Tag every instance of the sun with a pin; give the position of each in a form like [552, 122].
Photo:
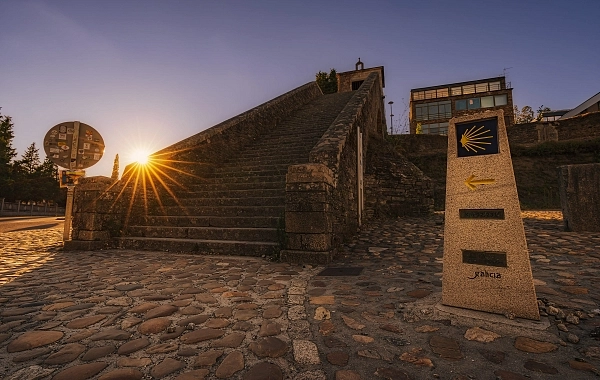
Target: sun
[140, 156]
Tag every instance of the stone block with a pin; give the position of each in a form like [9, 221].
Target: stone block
[308, 187]
[308, 207]
[87, 221]
[580, 196]
[309, 242]
[307, 222]
[309, 173]
[306, 196]
[92, 235]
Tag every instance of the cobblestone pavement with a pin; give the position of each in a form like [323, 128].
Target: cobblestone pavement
[131, 315]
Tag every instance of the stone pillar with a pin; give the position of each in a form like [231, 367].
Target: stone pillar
[308, 218]
[579, 188]
[94, 216]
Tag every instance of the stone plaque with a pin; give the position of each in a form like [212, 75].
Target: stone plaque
[492, 259]
[467, 213]
[486, 263]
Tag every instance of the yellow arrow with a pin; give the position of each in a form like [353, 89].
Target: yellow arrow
[472, 184]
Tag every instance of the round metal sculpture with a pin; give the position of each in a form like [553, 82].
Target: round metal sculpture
[73, 145]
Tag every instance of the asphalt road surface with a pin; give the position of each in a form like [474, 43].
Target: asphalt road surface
[20, 223]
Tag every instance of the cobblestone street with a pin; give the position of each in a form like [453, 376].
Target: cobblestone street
[121, 314]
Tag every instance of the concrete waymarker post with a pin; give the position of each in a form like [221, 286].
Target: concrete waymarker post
[486, 263]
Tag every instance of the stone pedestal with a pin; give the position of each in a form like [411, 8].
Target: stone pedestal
[308, 219]
[486, 263]
[93, 214]
[580, 196]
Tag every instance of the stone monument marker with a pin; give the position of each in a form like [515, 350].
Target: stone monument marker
[486, 263]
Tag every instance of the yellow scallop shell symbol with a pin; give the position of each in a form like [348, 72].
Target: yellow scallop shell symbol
[474, 139]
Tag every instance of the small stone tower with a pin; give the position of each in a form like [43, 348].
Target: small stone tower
[351, 80]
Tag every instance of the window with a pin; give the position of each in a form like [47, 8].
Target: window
[468, 89]
[461, 105]
[487, 101]
[474, 103]
[481, 87]
[356, 85]
[419, 95]
[442, 92]
[500, 100]
[456, 91]
[494, 86]
[434, 110]
[430, 94]
[435, 128]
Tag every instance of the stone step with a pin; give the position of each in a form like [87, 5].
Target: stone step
[225, 211]
[237, 206]
[272, 154]
[227, 201]
[268, 160]
[259, 172]
[210, 221]
[250, 167]
[232, 186]
[199, 246]
[243, 179]
[225, 193]
[205, 233]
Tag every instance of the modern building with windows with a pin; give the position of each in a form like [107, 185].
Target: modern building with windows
[432, 107]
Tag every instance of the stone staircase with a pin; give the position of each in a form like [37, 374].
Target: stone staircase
[238, 209]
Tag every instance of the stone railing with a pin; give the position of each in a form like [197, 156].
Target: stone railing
[322, 196]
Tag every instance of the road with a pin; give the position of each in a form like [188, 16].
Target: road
[25, 223]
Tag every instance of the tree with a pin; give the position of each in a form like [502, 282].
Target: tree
[115, 172]
[7, 154]
[419, 129]
[523, 116]
[327, 83]
[31, 160]
[540, 112]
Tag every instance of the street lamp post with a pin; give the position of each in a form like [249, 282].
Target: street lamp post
[391, 117]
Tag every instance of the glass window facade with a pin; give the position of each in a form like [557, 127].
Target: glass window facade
[481, 87]
[468, 89]
[487, 101]
[495, 86]
[435, 128]
[474, 103]
[483, 102]
[500, 100]
[430, 94]
[434, 110]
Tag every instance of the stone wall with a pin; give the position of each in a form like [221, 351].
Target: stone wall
[327, 198]
[97, 214]
[578, 127]
[580, 196]
[395, 187]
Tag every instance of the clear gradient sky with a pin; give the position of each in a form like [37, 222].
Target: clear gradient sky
[148, 73]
